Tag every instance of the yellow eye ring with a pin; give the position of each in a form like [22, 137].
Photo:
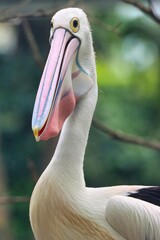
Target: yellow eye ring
[75, 24]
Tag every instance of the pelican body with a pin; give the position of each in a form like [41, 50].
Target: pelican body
[62, 207]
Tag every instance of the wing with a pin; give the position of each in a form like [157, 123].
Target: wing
[148, 194]
[133, 218]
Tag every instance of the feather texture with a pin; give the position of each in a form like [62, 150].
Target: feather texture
[62, 207]
[148, 194]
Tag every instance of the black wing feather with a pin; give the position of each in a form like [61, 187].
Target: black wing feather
[150, 194]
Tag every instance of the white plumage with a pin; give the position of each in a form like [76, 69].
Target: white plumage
[62, 207]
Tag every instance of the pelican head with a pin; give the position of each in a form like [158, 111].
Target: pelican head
[68, 75]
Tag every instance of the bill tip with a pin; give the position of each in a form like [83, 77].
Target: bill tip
[35, 132]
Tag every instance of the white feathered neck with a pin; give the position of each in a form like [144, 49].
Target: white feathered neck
[67, 162]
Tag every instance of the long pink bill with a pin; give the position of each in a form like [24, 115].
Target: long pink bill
[55, 98]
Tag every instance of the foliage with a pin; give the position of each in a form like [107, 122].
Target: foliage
[129, 99]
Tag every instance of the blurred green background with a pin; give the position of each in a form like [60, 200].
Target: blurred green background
[128, 67]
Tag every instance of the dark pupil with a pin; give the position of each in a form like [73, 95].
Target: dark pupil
[75, 23]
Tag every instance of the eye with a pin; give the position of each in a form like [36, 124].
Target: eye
[74, 24]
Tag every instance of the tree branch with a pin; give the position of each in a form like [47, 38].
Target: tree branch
[32, 42]
[14, 7]
[117, 135]
[16, 199]
[105, 26]
[114, 134]
[13, 17]
[153, 8]
[126, 138]
[147, 10]
[36, 14]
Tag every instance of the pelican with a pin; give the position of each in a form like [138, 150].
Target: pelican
[62, 207]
